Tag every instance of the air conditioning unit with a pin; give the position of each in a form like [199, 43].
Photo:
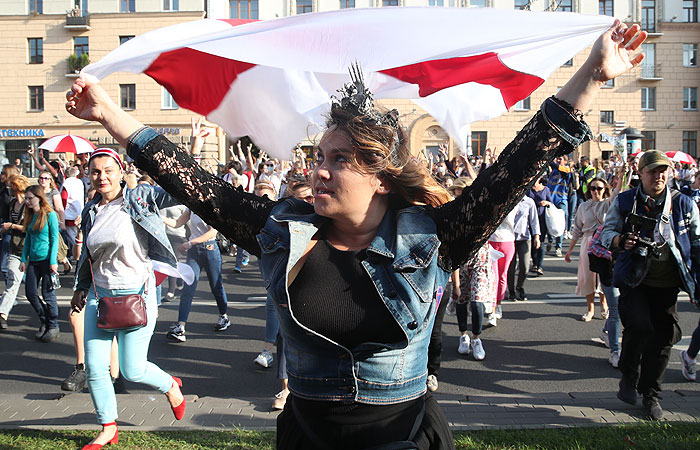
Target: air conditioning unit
[620, 125]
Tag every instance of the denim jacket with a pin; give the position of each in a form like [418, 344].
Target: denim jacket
[142, 204]
[685, 224]
[403, 265]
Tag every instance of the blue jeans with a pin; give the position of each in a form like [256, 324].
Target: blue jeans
[240, 256]
[133, 353]
[205, 255]
[571, 210]
[612, 325]
[40, 272]
[4, 253]
[272, 322]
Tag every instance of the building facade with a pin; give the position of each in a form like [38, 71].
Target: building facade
[46, 42]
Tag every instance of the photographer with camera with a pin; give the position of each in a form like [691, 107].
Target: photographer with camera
[654, 231]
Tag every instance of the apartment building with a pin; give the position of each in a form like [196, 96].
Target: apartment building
[44, 42]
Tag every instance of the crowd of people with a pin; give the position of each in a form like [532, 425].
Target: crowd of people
[394, 240]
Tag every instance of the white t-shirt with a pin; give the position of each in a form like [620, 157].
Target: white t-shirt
[76, 197]
[198, 227]
[118, 248]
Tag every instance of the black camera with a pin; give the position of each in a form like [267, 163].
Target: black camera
[643, 225]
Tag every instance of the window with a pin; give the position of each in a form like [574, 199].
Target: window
[690, 55]
[648, 98]
[246, 9]
[569, 63]
[390, 2]
[436, 3]
[171, 5]
[649, 62]
[522, 4]
[36, 6]
[690, 143]
[478, 142]
[477, 3]
[565, 6]
[523, 105]
[345, 4]
[36, 98]
[123, 39]
[36, 50]
[127, 6]
[304, 6]
[690, 10]
[649, 140]
[609, 84]
[605, 7]
[168, 102]
[128, 96]
[649, 16]
[690, 98]
[81, 45]
[607, 117]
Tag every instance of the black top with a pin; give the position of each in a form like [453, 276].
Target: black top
[334, 296]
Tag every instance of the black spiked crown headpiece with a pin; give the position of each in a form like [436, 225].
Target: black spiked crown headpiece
[357, 100]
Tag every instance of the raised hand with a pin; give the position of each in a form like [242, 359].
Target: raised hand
[611, 53]
[87, 100]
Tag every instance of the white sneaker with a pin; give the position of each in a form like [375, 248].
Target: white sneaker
[688, 366]
[222, 323]
[605, 338]
[464, 345]
[478, 349]
[491, 320]
[498, 313]
[264, 359]
[176, 333]
[614, 359]
[432, 383]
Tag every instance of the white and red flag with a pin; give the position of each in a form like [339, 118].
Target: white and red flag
[273, 80]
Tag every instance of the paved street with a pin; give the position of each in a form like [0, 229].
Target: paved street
[543, 366]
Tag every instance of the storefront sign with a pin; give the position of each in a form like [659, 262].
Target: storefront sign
[32, 132]
[167, 130]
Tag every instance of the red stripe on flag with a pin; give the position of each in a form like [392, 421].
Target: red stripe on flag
[236, 22]
[436, 75]
[197, 81]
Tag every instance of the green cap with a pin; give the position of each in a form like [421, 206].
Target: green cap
[652, 159]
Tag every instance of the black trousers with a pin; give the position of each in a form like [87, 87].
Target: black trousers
[651, 328]
[435, 345]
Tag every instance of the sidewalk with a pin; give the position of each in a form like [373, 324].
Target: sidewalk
[148, 412]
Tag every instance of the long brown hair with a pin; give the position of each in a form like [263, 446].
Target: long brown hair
[373, 154]
[44, 208]
[606, 191]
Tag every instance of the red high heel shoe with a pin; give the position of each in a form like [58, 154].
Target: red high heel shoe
[179, 410]
[115, 439]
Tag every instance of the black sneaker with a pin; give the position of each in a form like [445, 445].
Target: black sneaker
[522, 296]
[512, 296]
[51, 335]
[627, 392]
[118, 384]
[652, 408]
[75, 381]
[42, 331]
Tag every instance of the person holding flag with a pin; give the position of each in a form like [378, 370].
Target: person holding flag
[356, 277]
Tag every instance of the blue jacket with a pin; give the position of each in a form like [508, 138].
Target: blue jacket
[685, 224]
[142, 204]
[403, 264]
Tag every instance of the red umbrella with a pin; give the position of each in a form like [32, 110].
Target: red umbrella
[68, 143]
[637, 154]
[680, 157]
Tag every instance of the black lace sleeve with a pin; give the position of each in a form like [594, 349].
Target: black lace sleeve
[237, 214]
[465, 224]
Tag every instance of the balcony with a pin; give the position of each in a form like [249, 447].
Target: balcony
[76, 64]
[77, 20]
[650, 72]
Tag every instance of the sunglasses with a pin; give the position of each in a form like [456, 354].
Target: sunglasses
[597, 188]
[44, 178]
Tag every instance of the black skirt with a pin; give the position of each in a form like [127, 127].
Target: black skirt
[314, 425]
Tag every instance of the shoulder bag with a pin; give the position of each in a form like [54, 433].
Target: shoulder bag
[120, 313]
